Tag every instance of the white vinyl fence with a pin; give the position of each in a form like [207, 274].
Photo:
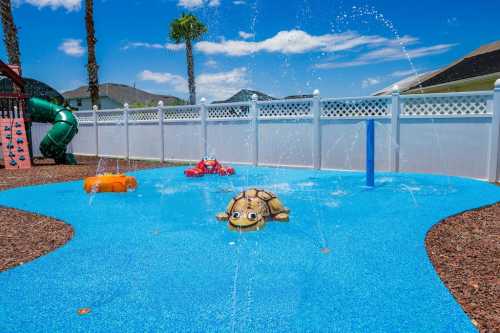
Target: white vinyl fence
[452, 134]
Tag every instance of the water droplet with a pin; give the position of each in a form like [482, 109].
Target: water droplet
[84, 311]
[325, 250]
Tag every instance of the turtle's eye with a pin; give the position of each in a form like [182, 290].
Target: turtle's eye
[252, 216]
[236, 215]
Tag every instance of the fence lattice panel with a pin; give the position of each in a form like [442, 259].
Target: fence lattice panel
[228, 111]
[84, 117]
[110, 116]
[182, 113]
[279, 109]
[143, 115]
[376, 107]
[445, 105]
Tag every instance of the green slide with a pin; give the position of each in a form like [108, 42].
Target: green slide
[60, 135]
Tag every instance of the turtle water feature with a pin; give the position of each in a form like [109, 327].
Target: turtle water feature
[351, 258]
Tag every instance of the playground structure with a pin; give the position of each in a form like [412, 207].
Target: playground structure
[109, 182]
[17, 113]
[209, 166]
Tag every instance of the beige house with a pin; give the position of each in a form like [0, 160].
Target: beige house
[114, 96]
[477, 71]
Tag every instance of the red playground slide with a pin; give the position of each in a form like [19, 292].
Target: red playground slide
[209, 166]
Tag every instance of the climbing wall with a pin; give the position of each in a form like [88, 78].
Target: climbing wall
[14, 143]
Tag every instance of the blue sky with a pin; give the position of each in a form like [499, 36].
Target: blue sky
[343, 48]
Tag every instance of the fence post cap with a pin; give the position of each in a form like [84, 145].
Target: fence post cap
[316, 93]
[395, 89]
[160, 104]
[255, 98]
[203, 100]
[497, 84]
[95, 108]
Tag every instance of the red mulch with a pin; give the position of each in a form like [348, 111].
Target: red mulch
[465, 251]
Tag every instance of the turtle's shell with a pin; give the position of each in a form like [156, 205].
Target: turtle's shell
[269, 204]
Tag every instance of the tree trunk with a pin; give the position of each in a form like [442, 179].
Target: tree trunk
[190, 64]
[10, 34]
[92, 67]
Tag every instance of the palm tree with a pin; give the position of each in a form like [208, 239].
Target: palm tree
[10, 34]
[188, 28]
[92, 67]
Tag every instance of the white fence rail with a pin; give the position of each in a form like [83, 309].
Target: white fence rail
[453, 134]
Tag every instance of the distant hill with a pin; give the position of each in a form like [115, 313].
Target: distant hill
[245, 95]
[122, 94]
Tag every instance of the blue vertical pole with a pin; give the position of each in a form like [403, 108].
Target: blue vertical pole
[370, 153]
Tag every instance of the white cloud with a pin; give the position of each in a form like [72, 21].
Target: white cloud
[176, 81]
[190, 4]
[72, 47]
[403, 73]
[246, 35]
[69, 5]
[239, 2]
[390, 53]
[194, 4]
[222, 85]
[211, 63]
[396, 53]
[371, 81]
[296, 42]
[158, 46]
[213, 86]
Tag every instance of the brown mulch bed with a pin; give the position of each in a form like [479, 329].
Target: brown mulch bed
[25, 236]
[465, 251]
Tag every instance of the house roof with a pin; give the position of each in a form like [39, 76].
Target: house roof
[245, 95]
[492, 47]
[406, 83]
[299, 96]
[483, 61]
[122, 94]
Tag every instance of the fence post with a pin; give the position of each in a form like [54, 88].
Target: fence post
[162, 130]
[316, 110]
[96, 130]
[254, 114]
[203, 116]
[494, 135]
[370, 153]
[395, 129]
[125, 124]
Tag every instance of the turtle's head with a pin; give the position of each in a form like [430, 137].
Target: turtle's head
[246, 218]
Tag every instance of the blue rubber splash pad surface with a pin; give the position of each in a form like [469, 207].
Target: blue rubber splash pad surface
[156, 260]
